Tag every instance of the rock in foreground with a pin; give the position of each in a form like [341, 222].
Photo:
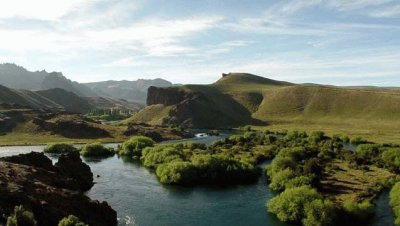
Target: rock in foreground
[51, 192]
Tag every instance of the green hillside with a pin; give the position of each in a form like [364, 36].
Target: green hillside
[240, 99]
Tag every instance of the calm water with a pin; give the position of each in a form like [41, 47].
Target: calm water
[135, 193]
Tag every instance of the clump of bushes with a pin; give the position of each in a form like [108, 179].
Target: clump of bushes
[96, 150]
[207, 169]
[391, 159]
[134, 146]
[71, 220]
[21, 217]
[395, 202]
[59, 148]
[359, 211]
[302, 205]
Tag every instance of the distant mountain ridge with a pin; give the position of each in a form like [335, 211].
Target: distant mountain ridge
[58, 100]
[17, 77]
[135, 91]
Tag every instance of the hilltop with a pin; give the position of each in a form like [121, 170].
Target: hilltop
[240, 99]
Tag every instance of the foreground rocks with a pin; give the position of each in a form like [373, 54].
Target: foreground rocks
[51, 192]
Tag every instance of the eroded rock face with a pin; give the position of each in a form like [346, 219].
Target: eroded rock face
[50, 192]
[165, 96]
[71, 128]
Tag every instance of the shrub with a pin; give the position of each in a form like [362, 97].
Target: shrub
[302, 205]
[358, 140]
[367, 153]
[395, 202]
[361, 211]
[222, 170]
[280, 179]
[59, 148]
[21, 217]
[345, 139]
[316, 137]
[153, 156]
[96, 150]
[176, 173]
[135, 145]
[71, 220]
[391, 159]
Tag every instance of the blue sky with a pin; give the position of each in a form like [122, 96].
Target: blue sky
[337, 42]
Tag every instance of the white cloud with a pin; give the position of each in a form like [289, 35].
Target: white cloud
[39, 9]
[386, 12]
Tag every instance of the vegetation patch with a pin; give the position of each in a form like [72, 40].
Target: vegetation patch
[96, 150]
[59, 148]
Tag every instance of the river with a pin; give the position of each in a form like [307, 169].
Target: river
[135, 193]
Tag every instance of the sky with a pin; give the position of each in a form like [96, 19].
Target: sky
[337, 42]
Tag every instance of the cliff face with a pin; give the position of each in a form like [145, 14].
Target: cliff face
[165, 96]
[51, 192]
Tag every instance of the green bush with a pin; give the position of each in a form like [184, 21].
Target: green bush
[316, 137]
[391, 159]
[177, 173]
[358, 140]
[368, 153]
[302, 205]
[59, 148]
[280, 179]
[135, 145]
[71, 220]
[153, 156]
[96, 150]
[21, 217]
[360, 211]
[395, 202]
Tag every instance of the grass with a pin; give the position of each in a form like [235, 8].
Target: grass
[152, 115]
[379, 131]
[342, 183]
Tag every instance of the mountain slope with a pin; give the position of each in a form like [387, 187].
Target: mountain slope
[240, 99]
[54, 99]
[57, 80]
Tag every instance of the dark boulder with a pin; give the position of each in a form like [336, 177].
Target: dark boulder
[71, 165]
[34, 159]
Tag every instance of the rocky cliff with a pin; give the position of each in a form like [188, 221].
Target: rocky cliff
[165, 96]
[51, 192]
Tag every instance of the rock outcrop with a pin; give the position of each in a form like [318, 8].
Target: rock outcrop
[50, 192]
[71, 126]
[165, 96]
[71, 165]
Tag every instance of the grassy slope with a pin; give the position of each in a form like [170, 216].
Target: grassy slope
[152, 115]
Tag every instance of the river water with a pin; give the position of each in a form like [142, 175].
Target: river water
[139, 199]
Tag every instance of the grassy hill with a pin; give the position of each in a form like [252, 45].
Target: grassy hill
[240, 99]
